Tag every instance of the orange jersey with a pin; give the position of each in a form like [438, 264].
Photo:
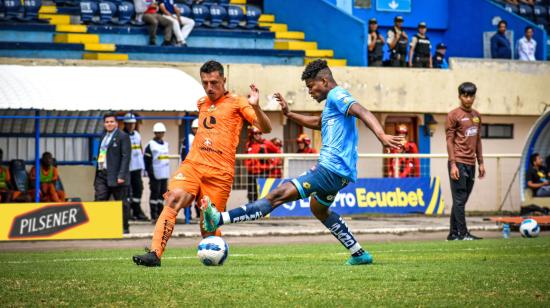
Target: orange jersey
[220, 125]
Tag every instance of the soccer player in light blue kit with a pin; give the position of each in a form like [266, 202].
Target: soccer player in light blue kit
[336, 166]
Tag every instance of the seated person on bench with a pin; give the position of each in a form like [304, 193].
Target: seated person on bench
[536, 177]
[6, 190]
[48, 178]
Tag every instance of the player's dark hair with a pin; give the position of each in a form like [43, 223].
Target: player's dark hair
[109, 115]
[502, 22]
[212, 66]
[467, 88]
[532, 158]
[315, 69]
[528, 28]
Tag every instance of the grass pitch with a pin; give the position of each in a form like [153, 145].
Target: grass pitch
[499, 273]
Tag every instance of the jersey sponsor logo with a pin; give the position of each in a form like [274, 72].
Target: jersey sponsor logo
[471, 131]
[179, 177]
[209, 121]
[212, 108]
[465, 119]
[208, 142]
[475, 119]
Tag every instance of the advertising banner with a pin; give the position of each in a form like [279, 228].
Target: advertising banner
[60, 221]
[381, 195]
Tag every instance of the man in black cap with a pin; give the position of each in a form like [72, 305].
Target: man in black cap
[398, 41]
[375, 44]
[421, 49]
[438, 60]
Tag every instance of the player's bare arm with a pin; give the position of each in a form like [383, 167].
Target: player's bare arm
[262, 121]
[313, 122]
[373, 124]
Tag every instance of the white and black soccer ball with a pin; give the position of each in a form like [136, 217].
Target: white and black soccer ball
[529, 228]
[212, 250]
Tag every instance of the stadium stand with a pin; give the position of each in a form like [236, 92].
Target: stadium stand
[539, 13]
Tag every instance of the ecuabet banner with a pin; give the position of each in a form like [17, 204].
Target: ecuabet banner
[380, 195]
[60, 221]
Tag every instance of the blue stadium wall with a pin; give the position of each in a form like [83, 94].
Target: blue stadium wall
[460, 24]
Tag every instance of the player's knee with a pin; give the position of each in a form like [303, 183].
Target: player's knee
[281, 194]
[320, 211]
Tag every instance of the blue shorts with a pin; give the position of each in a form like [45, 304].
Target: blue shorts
[321, 184]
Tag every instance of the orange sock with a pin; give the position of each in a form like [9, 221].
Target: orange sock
[163, 230]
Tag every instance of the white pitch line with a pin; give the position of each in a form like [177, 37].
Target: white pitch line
[278, 255]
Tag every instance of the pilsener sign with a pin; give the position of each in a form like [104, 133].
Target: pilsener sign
[380, 195]
[52, 221]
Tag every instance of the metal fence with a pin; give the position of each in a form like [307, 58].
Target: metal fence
[499, 190]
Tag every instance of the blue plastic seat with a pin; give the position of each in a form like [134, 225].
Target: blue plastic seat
[125, 12]
[13, 9]
[88, 9]
[526, 11]
[218, 14]
[252, 15]
[107, 11]
[511, 8]
[200, 14]
[185, 10]
[235, 16]
[31, 8]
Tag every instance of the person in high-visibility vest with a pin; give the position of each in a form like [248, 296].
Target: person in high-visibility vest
[5, 182]
[136, 167]
[157, 164]
[48, 177]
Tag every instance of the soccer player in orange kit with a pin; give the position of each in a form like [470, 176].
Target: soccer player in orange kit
[209, 166]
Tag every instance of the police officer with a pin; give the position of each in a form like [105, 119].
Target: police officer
[157, 165]
[438, 59]
[375, 44]
[136, 166]
[397, 41]
[420, 54]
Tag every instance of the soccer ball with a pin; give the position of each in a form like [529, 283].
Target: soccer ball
[212, 250]
[529, 228]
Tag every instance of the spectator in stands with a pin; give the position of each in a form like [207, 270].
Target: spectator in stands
[157, 164]
[112, 176]
[527, 46]
[153, 19]
[6, 190]
[140, 6]
[48, 178]
[438, 60]
[407, 166]
[276, 170]
[136, 167]
[182, 26]
[500, 45]
[304, 143]
[421, 49]
[537, 181]
[397, 41]
[375, 44]
[257, 168]
[528, 2]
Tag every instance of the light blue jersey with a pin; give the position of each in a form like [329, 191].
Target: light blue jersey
[339, 131]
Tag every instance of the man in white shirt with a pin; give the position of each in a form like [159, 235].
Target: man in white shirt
[527, 46]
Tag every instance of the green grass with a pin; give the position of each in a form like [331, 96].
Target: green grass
[482, 273]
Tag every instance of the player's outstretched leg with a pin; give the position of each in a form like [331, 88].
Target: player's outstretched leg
[338, 227]
[212, 219]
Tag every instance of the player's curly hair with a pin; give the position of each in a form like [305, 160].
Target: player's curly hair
[314, 68]
[212, 66]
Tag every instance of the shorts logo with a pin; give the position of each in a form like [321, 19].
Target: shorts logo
[179, 177]
[330, 197]
[306, 185]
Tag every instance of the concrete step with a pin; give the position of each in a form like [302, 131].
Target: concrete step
[76, 38]
[105, 56]
[273, 27]
[47, 9]
[267, 18]
[290, 35]
[295, 45]
[56, 19]
[330, 62]
[237, 1]
[99, 47]
[71, 28]
[320, 53]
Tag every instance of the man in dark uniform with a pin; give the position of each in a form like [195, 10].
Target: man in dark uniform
[397, 41]
[112, 176]
[438, 60]
[421, 49]
[375, 44]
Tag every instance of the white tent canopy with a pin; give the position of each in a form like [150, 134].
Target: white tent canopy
[97, 88]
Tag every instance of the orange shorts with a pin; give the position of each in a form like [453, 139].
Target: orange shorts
[200, 180]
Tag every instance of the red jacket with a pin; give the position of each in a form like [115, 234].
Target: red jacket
[260, 166]
[408, 167]
[307, 150]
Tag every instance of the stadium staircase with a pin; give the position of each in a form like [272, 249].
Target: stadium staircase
[69, 33]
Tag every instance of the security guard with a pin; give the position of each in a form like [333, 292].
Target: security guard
[438, 59]
[420, 54]
[397, 41]
[375, 44]
[136, 166]
[157, 164]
